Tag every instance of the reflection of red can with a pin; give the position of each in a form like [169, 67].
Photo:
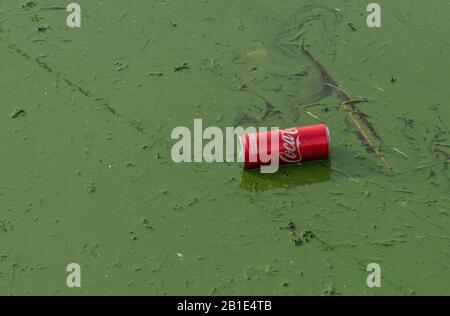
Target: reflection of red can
[295, 145]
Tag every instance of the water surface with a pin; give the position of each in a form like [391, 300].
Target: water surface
[87, 175]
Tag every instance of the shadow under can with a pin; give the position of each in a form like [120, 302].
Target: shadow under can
[287, 177]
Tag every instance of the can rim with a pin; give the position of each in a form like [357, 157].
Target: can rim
[329, 140]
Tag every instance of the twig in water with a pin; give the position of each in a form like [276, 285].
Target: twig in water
[401, 152]
[313, 116]
[365, 137]
[356, 101]
[350, 107]
[311, 105]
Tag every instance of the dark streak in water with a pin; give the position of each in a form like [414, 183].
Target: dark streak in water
[343, 96]
[43, 65]
[70, 83]
[270, 108]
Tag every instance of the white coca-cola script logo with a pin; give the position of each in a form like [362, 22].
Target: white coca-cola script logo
[290, 146]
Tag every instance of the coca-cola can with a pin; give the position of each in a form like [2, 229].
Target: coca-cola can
[288, 146]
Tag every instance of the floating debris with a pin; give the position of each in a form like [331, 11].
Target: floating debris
[183, 66]
[18, 112]
[5, 226]
[43, 28]
[307, 235]
[313, 116]
[291, 226]
[330, 290]
[351, 25]
[121, 66]
[156, 73]
[91, 188]
[297, 241]
[36, 18]
[146, 224]
[345, 97]
[401, 153]
[54, 8]
[192, 202]
[28, 4]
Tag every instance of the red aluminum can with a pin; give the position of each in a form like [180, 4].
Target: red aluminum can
[295, 145]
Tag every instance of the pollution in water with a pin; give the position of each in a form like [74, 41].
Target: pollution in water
[87, 177]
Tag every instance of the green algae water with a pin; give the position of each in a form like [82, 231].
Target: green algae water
[87, 177]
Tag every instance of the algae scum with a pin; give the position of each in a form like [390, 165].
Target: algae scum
[87, 177]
